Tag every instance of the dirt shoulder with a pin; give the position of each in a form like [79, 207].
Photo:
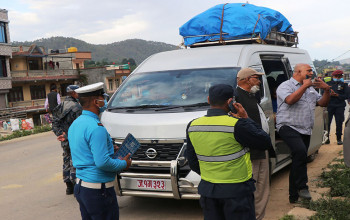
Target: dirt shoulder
[279, 205]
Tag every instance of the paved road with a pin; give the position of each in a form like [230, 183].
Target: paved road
[31, 187]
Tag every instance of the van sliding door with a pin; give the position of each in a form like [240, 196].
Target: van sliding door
[277, 70]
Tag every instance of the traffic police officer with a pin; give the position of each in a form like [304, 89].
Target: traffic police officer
[336, 106]
[327, 78]
[218, 149]
[92, 155]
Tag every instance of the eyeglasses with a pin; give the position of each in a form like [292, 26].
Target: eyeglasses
[309, 70]
[256, 77]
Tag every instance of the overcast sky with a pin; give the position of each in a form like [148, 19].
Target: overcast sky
[323, 25]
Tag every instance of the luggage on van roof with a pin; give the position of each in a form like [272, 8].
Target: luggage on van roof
[236, 22]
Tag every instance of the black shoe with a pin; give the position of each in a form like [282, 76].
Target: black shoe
[70, 188]
[339, 142]
[304, 194]
[327, 141]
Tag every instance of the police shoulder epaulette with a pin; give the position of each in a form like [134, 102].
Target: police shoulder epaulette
[100, 124]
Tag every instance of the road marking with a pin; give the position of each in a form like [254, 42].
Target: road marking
[12, 186]
[55, 178]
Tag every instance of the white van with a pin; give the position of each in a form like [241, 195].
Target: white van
[169, 89]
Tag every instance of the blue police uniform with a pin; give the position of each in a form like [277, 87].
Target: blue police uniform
[336, 106]
[92, 155]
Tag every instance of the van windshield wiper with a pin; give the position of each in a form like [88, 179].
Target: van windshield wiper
[184, 106]
[139, 107]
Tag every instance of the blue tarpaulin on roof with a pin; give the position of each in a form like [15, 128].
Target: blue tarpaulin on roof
[239, 21]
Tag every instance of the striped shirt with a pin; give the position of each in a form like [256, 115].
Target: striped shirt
[301, 115]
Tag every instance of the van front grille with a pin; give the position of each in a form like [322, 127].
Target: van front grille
[164, 152]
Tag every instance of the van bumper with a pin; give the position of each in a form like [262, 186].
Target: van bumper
[128, 183]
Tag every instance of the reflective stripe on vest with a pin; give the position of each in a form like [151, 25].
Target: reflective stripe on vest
[223, 158]
[211, 128]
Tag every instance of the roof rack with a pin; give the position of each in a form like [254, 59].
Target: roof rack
[274, 38]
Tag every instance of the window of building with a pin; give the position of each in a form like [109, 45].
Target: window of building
[110, 84]
[38, 92]
[3, 37]
[64, 88]
[33, 64]
[3, 68]
[15, 94]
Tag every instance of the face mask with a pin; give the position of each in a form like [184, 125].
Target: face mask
[335, 80]
[103, 108]
[255, 89]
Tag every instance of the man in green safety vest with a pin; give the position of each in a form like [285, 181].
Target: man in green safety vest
[218, 149]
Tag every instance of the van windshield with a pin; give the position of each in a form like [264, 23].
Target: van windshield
[171, 88]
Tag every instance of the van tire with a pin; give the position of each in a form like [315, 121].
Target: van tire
[312, 157]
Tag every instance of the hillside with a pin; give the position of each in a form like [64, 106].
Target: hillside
[133, 48]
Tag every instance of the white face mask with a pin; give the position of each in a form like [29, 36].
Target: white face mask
[255, 89]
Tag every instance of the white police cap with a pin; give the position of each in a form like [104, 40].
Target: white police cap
[95, 89]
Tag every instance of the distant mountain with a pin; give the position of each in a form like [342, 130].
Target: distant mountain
[133, 48]
[345, 61]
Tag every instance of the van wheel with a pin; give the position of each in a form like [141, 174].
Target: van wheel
[312, 157]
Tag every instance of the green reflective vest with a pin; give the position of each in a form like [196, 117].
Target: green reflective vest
[221, 158]
[327, 79]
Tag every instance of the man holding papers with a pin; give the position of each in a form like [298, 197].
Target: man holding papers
[92, 155]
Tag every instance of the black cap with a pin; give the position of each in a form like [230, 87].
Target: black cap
[220, 92]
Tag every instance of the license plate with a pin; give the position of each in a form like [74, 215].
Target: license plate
[151, 184]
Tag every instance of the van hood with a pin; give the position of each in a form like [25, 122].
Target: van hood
[149, 126]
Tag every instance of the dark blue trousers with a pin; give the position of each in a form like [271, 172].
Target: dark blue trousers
[97, 204]
[338, 113]
[241, 208]
[299, 145]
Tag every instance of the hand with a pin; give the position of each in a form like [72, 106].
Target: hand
[321, 84]
[128, 161]
[241, 113]
[116, 148]
[62, 137]
[334, 93]
[307, 82]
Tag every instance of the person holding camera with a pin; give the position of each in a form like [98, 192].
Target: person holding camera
[296, 101]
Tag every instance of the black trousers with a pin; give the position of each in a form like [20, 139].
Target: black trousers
[241, 208]
[338, 113]
[97, 204]
[299, 145]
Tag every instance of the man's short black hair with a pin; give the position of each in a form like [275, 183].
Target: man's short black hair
[219, 94]
[85, 101]
[53, 86]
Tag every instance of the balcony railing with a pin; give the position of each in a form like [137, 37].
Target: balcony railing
[44, 73]
[30, 104]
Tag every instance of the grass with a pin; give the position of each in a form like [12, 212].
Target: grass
[329, 208]
[17, 134]
[288, 217]
[337, 178]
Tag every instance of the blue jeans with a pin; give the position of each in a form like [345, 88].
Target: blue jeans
[97, 204]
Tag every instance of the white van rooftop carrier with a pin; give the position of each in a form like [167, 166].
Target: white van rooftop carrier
[274, 38]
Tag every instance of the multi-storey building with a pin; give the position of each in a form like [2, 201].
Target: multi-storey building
[33, 71]
[5, 55]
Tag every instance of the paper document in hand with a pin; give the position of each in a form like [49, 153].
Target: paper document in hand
[129, 145]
